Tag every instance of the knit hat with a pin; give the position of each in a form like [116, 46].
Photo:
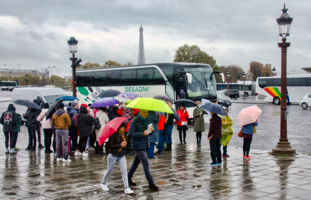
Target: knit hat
[74, 103]
[60, 106]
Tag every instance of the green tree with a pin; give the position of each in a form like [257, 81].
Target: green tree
[256, 68]
[90, 65]
[109, 63]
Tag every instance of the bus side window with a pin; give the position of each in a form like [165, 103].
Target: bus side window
[157, 77]
[100, 78]
[128, 77]
[113, 77]
[89, 79]
[145, 76]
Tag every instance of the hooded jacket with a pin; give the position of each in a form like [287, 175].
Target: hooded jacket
[9, 119]
[71, 111]
[61, 120]
[46, 123]
[139, 141]
[85, 123]
[31, 116]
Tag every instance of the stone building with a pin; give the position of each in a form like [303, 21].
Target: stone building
[21, 72]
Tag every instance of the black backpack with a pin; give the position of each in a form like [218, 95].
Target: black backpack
[96, 123]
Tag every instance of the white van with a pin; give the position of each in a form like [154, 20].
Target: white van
[46, 95]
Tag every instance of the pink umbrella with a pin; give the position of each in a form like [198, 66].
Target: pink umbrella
[248, 115]
[110, 128]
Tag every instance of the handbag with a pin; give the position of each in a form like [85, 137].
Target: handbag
[184, 123]
[96, 123]
[240, 133]
[254, 129]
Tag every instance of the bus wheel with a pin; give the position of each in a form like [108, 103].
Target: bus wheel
[304, 105]
[276, 100]
[246, 94]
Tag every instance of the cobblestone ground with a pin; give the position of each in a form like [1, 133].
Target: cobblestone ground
[183, 173]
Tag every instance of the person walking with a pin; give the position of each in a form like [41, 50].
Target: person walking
[61, 121]
[214, 135]
[9, 121]
[85, 123]
[103, 119]
[140, 141]
[160, 134]
[182, 125]
[117, 154]
[226, 132]
[247, 133]
[199, 126]
[47, 128]
[73, 131]
[32, 123]
[168, 129]
[38, 127]
[154, 118]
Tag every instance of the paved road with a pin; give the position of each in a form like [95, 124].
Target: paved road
[268, 128]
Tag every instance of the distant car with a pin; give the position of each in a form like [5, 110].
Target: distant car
[222, 99]
[305, 101]
[233, 93]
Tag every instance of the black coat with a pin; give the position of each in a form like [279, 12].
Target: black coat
[9, 119]
[215, 127]
[115, 144]
[31, 116]
[85, 123]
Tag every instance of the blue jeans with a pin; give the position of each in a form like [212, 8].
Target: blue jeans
[225, 150]
[141, 157]
[161, 141]
[150, 150]
[168, 134]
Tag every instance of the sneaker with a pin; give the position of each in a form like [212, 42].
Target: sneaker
[244, 156]
[12, 151]
[66, 160]
[225, 156]
[248, 158]
[16, 149]
[213, 164]
[105, 187]
[85, 154]
[7, 151]
[128, 191]
[40, 146]
[77, 153]
[220, 163]
[59, 159]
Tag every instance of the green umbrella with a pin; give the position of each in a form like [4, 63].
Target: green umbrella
[150, 104]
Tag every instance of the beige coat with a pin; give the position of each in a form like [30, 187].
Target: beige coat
[199, 125]
[103, 120]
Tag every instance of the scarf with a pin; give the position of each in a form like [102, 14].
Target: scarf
[143, 119]
[122, 136]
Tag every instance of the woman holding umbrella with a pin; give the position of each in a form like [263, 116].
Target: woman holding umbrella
[199, 126]
[117, 153]
[182, 125]
[247, 132]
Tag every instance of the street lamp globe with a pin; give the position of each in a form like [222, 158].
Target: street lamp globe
[284, 22]
[73, 45]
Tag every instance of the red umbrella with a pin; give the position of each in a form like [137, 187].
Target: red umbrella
[110, 128]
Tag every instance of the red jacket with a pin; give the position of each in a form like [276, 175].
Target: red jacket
[120, 111]
[161, 123]
[183, 115]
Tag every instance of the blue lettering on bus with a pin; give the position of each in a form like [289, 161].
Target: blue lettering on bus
[136, 89]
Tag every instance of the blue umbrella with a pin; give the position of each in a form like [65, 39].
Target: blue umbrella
[67, 98]
[104, 102]
[214, 108]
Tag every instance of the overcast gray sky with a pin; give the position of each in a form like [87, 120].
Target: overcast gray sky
[34, 33]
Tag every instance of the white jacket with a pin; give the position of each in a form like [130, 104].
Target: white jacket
[103, 120]
[46, 123]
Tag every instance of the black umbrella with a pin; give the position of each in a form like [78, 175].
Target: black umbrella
[109, 93]
[50, 112]
[185, 103]
[26, 103]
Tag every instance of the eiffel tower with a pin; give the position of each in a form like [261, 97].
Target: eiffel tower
[141, 51]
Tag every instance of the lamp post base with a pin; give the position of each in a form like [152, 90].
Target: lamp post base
[283, 148]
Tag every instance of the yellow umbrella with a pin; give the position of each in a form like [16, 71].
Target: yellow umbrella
[150, 104]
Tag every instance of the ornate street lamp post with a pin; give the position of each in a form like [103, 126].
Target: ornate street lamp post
[73, 46]
[283, 147]
[243, 85]
[228, 76]
[26, 77]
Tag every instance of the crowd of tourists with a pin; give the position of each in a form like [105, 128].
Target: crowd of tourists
[78, 126]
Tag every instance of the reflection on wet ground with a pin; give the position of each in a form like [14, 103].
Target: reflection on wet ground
[184, 173]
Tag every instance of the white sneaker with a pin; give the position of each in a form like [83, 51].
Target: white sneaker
[85, 154]
[128, 191]
[59, 159]
[104, 187]
[77, 153]
[66, 160]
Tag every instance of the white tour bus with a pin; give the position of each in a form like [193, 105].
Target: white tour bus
[238, 86]
[176, 80]
[269, 88]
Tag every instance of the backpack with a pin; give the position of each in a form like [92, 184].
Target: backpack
[96, 123]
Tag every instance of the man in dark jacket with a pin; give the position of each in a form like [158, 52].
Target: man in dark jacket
[214, 136]
[9, 121]
[85, 123]
[38, 128]
[32, 123]
[72, 111]
[139, 142]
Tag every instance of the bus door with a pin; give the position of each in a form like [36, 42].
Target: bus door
[180, 88]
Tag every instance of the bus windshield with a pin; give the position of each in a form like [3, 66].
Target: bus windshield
[203, 81]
